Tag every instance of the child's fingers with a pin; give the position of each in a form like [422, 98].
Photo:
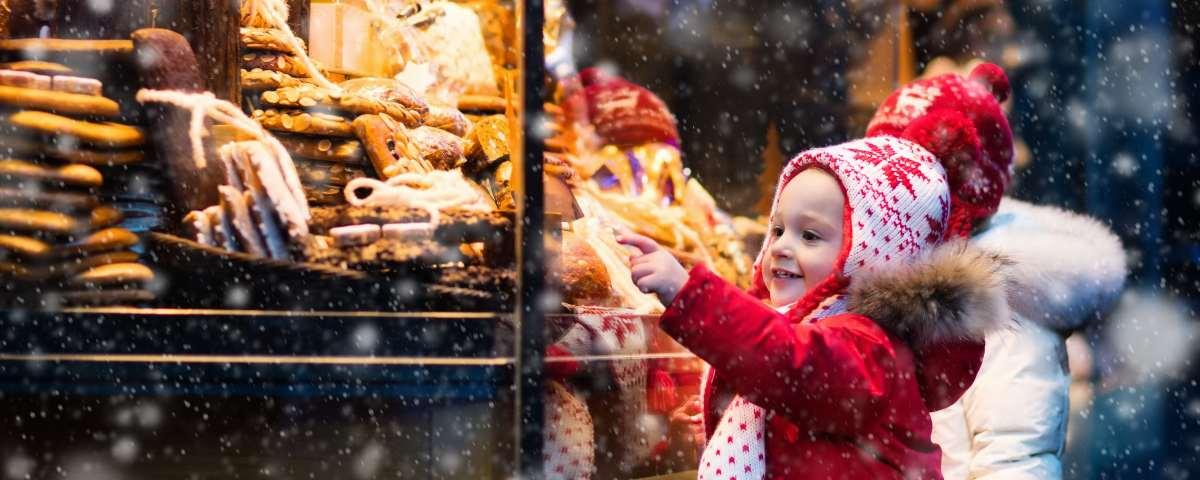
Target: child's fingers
[640, 242]
[642, 270]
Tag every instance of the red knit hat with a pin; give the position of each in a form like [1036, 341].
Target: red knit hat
[897, 204]
[960, 121]
[622, 113]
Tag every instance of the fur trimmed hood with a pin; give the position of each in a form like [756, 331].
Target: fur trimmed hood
[954, 293]
[1065, 269]
[942, 306]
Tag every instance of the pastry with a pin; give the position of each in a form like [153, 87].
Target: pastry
[387, 90]
[487, 144]
[440, 148]
[448, 119]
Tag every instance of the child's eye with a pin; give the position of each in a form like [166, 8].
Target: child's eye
[776, 231]
[810, 236]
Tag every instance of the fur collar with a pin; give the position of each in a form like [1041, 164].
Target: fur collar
[1065, 269]
[955, 292]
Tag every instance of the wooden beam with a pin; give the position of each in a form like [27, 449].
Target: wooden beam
[298, 13]
[211, 27]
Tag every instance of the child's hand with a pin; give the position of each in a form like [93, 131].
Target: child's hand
[687, 424]
[654, 270]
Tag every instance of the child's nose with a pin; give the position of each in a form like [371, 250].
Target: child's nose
[781, 251]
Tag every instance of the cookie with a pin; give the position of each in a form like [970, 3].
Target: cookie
[38, 221]
[238, 214]
[267, 223]
[107, 134]
[38, 66]
[22, 146]
[222, 229]
[443, 150]
[59, 102]
[262, 176]
[113, 274]
[122, 296]
[354, 235]
[74, 266]
[196, 226]
[269, 39]
[318, 173]
[258, 80]
[57, 201]
[13, 78]
[316, 99]
[21, 171]
[300, 122]
[105, 216]
[80, 85]
[24, 247]
[106, 240]
[325, 149]
[275, 61]
[448, 119]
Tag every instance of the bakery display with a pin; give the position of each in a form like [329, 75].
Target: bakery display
[68, 154]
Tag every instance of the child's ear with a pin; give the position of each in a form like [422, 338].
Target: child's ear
[951, 137]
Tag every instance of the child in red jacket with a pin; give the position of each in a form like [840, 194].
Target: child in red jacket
[865, 330]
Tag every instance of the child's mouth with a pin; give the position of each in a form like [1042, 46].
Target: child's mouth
[781, 273]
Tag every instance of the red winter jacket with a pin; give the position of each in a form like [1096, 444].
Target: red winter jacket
[846, 399]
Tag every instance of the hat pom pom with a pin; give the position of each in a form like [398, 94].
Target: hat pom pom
[992, 76]
[948, 135]
[951, 137]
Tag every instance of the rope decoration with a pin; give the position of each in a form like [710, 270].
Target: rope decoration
[431, 191]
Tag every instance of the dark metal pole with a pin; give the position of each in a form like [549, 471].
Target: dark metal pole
[530, 315]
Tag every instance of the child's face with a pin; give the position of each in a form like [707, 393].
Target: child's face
[805, 236]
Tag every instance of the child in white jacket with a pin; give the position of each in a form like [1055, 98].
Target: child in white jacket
[1064, 268]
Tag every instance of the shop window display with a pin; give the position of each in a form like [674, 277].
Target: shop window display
[380, 239]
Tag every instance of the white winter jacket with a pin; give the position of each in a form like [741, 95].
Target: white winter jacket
[1011, 423]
